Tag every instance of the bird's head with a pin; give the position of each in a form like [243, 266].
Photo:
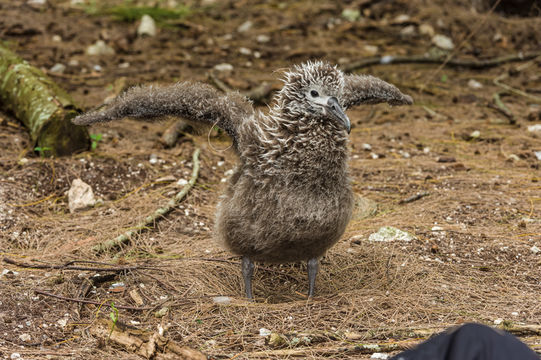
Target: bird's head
[312, 91]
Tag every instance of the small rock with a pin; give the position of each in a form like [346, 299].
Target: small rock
[389, 233]
[370, 50]
[263, 38]
[58, 68]
[498, 321]
[443, 42]
[80, 196]
[23, 161]
[182, 182]
[474, 84]
[9, 273]
[153, 159]
[374, 156]
[100, 48]
[408, 31]
[222, 300]
[379, 356]
[536, 153]
[25, 337]
[402, 18]
[534, 128]
[351, 14]
[245, 26]
[426, 29]
[245, 51]
[57, 38]
[366, 147]
[15, 355]
[73, 62]
[223, 67]
[264, 332]
[62, 322]
[277, 340]
[162, 312]
[147, 27]
[535, 249]
[475, 134]
[437, 228]
[514, 313]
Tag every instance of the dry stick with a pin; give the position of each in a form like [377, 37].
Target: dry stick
[85, 301]
[414, 198]
[497, 82]
[151, 219]
[80, 268]
[416, 59]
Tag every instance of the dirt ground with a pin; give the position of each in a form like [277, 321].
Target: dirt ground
[475, 256]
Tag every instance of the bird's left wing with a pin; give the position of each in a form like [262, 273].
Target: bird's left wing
[367, 89]
[192, 101]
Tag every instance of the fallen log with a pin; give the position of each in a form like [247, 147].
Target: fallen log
[41, 105]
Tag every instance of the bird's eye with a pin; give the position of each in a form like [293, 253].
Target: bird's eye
[314, 93]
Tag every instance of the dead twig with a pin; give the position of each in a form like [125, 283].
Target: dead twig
[414, 198]
[67, 266]
[149, 221]
[422, 59]
[85, 301]
[501, 107]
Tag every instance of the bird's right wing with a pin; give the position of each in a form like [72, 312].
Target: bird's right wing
[192, 101]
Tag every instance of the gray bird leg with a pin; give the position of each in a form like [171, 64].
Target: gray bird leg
[247, 272]
[313, 267]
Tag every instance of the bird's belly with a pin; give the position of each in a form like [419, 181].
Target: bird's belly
[279, 228]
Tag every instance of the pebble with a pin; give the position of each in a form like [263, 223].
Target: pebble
[443, 42]
[475, 134]
[264, 332]
[498, 321]
[514, 313]
[80, 196]
[536, 153]
[367, 147]
[100, 48]
[263, 38]
[222, 300]
[182, 182]
[534, 128]
[245, 51]
[426, 29]
[437, 228]
[370, 50]
[351, 14]
[147, 27]
[15, 355]
[58, 68]
[402, 18]
[73, 62]
[223, 67]
[408, 30]
[25, 337]
[153, 159]
[57, 38]
[379, 356]
[389, 233]
[245, 26]
[474, 84]
[535, 249]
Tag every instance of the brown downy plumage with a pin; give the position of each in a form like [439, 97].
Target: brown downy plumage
[289, 198]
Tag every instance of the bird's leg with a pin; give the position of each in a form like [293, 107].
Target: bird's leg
[313, 266]
[247, 272]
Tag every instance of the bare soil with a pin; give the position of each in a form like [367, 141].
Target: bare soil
[476, 231]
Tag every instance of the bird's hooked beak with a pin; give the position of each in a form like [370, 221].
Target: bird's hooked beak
[334, 110]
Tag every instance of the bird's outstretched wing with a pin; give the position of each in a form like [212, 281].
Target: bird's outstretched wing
[366, 89]
[192, 101]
